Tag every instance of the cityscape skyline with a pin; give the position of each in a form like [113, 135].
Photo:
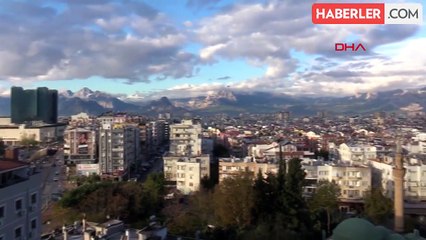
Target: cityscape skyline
[141, 48]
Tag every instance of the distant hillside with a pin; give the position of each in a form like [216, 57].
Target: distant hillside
[225, 101]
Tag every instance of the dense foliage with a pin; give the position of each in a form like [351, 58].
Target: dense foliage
[378, 208]
[28, 141]
[131, 201]
[247, 207]
[325, 200]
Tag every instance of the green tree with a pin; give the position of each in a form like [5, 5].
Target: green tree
[265, 195]
[186, 219]
[325, 198]
[153, 191]
[28, 141]
[298, 217]
[233, 200]
[378, 207]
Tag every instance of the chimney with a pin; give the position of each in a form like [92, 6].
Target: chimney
[398, 175]
[65, 232]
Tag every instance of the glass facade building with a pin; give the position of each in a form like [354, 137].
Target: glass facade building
[39, 104]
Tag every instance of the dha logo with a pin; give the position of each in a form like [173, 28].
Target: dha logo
[344, 47]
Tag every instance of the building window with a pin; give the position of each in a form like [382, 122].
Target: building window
[18, 232]
[34, 198]
[34, 224]
[18, 205]
[191, 184]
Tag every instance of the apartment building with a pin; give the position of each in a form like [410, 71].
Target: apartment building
[160, 132]
[229, 167]
[20, 201]
[414, 180]
[102, 120]
[417, 145]
[187, 172]
[354, 181]
[185, 138]
[118, 149]
[272, 151]
[356, 153]
[80, 145]
[185, 163]
[80, 120]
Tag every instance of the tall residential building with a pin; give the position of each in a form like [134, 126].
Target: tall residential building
[20, 201]
[159, 131]
[118, 149]
[185, 138]
[39, 104]
[186, 171]
[80, 145]
[184, 163]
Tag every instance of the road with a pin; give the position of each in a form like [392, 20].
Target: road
[49, 170]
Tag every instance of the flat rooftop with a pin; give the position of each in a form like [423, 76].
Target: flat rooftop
[29, 126]
[6, 165]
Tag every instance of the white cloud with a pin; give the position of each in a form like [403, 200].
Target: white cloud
[109, 39]
[207, 52]
[265, 34]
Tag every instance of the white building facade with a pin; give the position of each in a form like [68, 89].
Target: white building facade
[185, 163]
[186, 138]
[357, 154]
[414, 180]
[118, 149]
[20, 201]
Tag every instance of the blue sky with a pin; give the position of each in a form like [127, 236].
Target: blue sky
[190, 47]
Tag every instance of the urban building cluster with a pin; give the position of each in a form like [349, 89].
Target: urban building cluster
[357, 152]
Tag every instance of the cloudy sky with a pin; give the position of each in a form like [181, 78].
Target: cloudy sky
[188, 47]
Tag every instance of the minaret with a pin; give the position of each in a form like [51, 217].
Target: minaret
[83, 223]
[64, 232]
[398, 178]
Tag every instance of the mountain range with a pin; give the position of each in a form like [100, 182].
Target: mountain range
[225, 101]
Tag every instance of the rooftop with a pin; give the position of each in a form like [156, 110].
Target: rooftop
[6, 165]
